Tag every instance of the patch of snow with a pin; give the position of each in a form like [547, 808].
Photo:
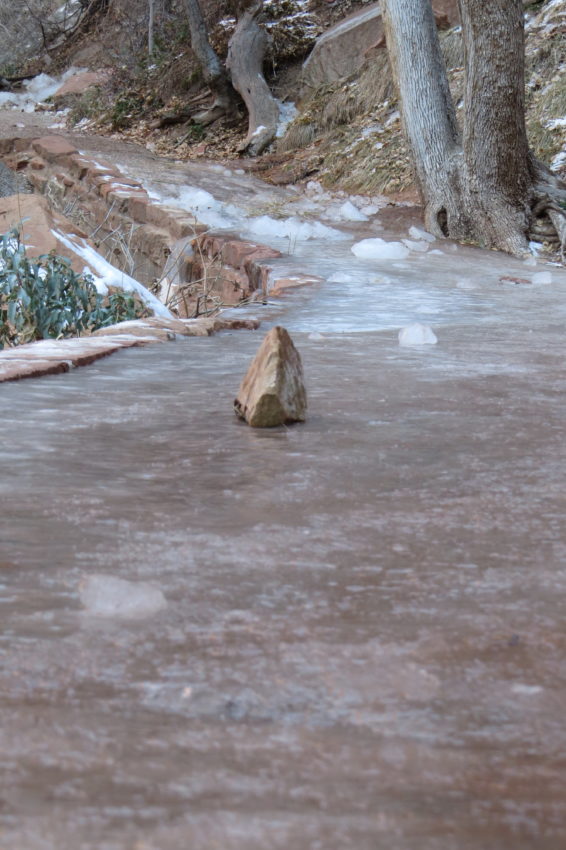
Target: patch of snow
[346, 212]
[291, 228]
[108, 596]
[395, 116]
[340, 277]
[420, 247]
[555, 123]
[369, 131]
[287, 113]
[36, 90]
[106, 275]
[417, 334]
[526, 690]
[542, 278]
[418, 233]
[379, 249]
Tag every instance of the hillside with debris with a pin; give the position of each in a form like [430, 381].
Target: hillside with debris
[344, 132]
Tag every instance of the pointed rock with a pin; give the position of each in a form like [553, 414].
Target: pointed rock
[273, 390]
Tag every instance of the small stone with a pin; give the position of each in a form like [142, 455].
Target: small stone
[273, 391]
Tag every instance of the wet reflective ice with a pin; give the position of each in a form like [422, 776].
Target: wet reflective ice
[360, 635]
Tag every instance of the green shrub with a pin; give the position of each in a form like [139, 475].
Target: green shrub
[43, 298]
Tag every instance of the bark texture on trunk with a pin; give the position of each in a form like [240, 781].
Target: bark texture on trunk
[479, 188]
[213, 72]
[246, 52]
[496, 150]
[427, 109]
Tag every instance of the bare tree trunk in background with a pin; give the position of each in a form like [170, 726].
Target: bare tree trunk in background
[480, 188]
[246, 52]
[496, 150]
[213, 72]
[150, 28]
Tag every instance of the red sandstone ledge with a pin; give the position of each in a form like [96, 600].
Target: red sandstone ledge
[51, 357]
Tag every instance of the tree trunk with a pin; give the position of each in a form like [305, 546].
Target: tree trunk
[478, 189]
[151, 29]
[246, 52]
[213, 72]
[427, 109]
[496, 150]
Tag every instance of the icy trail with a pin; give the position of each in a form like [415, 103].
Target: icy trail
[348, 634]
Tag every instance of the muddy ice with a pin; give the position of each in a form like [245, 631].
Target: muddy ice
[349, 633]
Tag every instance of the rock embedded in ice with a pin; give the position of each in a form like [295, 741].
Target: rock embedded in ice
[273, 391]
[108, 596]
[417, 334]
[542, 278]
[379, 249]
[419, 234]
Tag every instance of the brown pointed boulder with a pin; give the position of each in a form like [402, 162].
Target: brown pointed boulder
[273, 391]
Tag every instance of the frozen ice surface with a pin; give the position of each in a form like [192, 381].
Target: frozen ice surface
[417, 334]
[108, 596]
[379, 249]
[542, 278]
[419, 234]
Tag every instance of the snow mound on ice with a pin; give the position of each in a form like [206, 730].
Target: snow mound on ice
[417, 334]
[419, 234]
[107, 596]
[379, 249]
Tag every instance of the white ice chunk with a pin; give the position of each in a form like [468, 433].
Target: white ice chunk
[420, 247]
[107, 596]
[291, 228]
[526, 690]
[349, 212]
[379, 249]
[340, 277]
[418, 233]
[417, 334]
[542, 278]
[287, 113]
